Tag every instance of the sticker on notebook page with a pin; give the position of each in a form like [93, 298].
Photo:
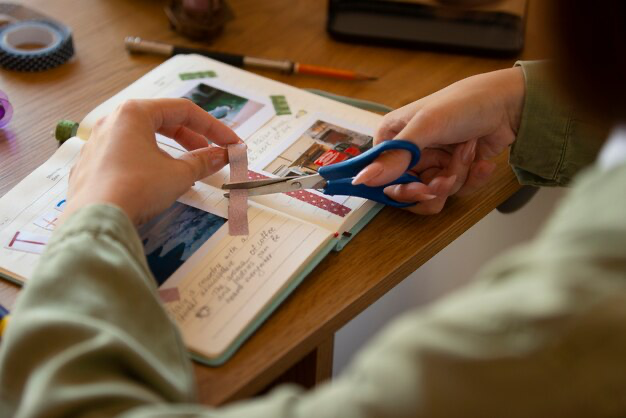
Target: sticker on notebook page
[47, 221]
[281, 107]
[169, 295]
[60, 205]
[196, 75]
[28, 242]
[238, 201]
[314, 199]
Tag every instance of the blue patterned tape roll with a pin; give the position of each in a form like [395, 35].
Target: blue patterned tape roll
[55, 37]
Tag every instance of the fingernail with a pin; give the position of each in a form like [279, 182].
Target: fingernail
[392, 189]
[468, 152]
[409, 188]
[367, 174]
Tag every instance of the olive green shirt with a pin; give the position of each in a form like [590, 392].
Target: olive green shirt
[540, 333]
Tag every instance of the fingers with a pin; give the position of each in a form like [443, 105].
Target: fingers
[423, 128]
[433, 158]
[386, 168]
[187, 138]
[389, 128]
[479, 175]
[410, 192]
[182, 112]
[203, 162]
[441, 187]
[460, 164]
[393, 122]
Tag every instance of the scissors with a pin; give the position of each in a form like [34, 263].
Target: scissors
[336, 179]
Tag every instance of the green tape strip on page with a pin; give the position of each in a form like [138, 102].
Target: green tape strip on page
[198, 74]
[280, 105]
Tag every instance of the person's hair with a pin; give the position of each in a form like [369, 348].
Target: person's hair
[591, 42]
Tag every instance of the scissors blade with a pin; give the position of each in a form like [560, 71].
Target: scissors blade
[280, 185]
[250, 184]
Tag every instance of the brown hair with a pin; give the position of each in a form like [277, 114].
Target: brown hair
[591, 40]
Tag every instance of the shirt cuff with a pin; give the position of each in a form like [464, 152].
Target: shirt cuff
[101, 219]
[552, 144]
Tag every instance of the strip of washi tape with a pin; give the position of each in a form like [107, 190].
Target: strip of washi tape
[198, 74]
[306, 196]
[281, 107]
[238, 202]
[65, 130]
[169, 295]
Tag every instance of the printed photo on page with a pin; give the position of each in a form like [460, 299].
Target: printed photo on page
[319, 143]
[242, 112]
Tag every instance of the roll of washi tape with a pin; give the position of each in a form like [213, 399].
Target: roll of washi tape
[6, 110]
[51, 44]
[6, 19]
[65, 130]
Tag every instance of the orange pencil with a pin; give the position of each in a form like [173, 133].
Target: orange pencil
[329, 72]
[134, 44]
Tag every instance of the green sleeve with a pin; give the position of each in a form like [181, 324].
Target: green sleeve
[88, 333]
[554, 141]
[541, 333]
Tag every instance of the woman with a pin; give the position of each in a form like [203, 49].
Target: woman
[542, 333]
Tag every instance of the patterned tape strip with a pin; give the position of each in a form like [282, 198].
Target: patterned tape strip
[280, 105]
[306, 196]
[199, 74]
[55, 38]
[169, 295]
[238, 202]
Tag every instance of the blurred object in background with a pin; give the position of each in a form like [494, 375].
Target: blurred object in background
[200, 20]
[493, 27]
[13, 12]
[6, 110]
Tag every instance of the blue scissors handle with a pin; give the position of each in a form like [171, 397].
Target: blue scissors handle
[339, 176]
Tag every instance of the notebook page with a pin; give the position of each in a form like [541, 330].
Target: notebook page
[28, 215]
[226, 284]
[263, 133]
[29, 211]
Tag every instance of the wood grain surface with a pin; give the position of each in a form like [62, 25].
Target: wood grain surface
[391, 247]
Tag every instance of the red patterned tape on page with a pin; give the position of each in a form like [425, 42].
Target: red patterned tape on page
[311, 198]
[169, 295]
[238, 202]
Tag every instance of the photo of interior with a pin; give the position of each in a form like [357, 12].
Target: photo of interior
[321, 144]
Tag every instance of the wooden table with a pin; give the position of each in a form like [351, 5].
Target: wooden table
[296, 342]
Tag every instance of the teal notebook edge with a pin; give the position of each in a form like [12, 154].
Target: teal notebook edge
[336, 244]
[11, 279]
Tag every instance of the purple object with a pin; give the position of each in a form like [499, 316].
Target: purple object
[6, 110]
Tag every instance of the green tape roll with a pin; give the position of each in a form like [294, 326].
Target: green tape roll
[65, 130]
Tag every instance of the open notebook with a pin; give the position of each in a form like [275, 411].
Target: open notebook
[218, 288]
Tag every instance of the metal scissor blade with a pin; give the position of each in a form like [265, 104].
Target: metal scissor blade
[282, 185]
[251, 184]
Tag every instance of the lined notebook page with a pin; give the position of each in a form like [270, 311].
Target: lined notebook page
[29, 211]
[225, 285]
[164, 81]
